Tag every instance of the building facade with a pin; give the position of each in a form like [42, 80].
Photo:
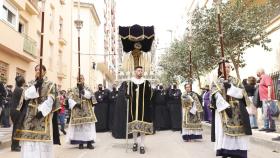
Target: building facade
[108, 66]
[256, 57]
[57, 41]
[20, 27]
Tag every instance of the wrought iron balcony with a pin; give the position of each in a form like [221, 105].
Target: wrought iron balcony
[29, 45]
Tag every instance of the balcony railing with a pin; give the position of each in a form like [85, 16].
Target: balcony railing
[29, 45]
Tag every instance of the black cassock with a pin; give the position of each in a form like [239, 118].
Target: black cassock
[119, 121]
[140, 110]
[175, 108]
[140, 118]
[112, 103]
[161, 114]
[15, 100]
[101, 110]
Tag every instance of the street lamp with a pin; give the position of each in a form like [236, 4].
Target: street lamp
[79, 25]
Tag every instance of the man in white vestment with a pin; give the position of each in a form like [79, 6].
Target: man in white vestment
[82, 122]
[35, 128]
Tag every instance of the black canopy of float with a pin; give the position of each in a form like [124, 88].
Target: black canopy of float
[136, 36]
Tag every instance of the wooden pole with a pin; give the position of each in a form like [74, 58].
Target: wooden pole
[79, 58]
[222, 43]
[42, 38]
[79, 48]
[190, 61]
[79, 25]
[221, 37]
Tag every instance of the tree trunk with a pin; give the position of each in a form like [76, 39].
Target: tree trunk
[236, 66]
[198, 78]
[199, 82]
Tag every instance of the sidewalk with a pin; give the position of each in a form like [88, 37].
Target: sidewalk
[265, 139]
[5, 137]
[260, 138]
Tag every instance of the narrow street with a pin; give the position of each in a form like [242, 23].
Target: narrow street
[165, 144]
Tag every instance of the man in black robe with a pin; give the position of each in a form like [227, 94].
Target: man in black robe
[15, 101]
[161, 114]
[112, 103]
[120, 112]
[101, 109]
[174, 107]
[139, 93]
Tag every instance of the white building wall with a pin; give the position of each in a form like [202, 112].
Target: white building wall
[256, 57]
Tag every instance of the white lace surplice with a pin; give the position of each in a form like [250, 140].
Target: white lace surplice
[224, 141]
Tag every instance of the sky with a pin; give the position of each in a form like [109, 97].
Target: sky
[163, 14]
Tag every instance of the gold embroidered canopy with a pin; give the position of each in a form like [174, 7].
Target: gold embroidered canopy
[137, 37]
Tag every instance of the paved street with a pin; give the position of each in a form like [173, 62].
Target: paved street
[166, 144]
[5, 136]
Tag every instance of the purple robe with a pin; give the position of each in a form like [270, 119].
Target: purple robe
[206, 108]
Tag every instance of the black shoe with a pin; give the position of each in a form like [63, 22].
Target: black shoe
[81, 146]
[263, 129]
[135, 147]
[63, 131]
[90, 146]
[270, 130]
[276, 139]
[142, 150]
[254, 127]
[16, 149]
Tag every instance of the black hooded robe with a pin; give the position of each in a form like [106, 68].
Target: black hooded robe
[101, 111]
[112, 103]
[161, 114]
[175, 109]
